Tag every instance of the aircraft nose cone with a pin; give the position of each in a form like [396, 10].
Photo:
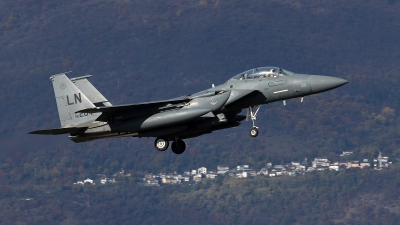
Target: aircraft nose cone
[325, 83]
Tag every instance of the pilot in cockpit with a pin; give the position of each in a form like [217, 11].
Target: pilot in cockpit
[271, 73]
[243, 77]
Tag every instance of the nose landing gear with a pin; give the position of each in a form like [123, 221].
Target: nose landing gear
[253, 116]
[254, 132]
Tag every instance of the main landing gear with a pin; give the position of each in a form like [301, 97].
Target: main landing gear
[253, 116]
[161, 144]
[178, 146]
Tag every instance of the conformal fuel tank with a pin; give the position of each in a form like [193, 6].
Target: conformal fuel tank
[160, 119]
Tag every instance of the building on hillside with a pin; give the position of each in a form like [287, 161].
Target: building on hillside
[222, 169]
[320, 161]
[355, 164]
[202, 170]
[242, 167]
[346, 153]
[263, 171]
[151, 182]
[197, 177]
[149, 175]
[211, 175]
[334, 167]
[242, 174]
[321, 168]
[290, 172]
[185, 178]
[295, 163]
[108, 180]
[365, 164]
[170, 181]
[310, 169]
[88, 180]
[382, 161]
[252, 173]
[278, 166]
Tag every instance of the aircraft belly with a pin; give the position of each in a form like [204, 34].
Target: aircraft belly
[160, 119]
[164, 131]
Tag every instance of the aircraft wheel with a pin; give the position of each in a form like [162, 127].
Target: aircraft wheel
[161, 144]
[254, 132]
[178, 146]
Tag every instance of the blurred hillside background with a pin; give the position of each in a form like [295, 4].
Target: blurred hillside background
[151, 50]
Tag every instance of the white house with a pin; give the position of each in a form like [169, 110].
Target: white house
[185, 178]
[222, 169]
[105, 180]
[320, 161]
[211, 175]
[88, 180]
[263, 171]
[242, 167]
[296, 163]
[152, 182]
[197, 178]
[346, 153]
[334, 167]
[202, 170]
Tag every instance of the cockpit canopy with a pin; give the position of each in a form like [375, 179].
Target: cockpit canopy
[262, 72]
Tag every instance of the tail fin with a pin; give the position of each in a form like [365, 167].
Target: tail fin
[83, 84]
[69, 100]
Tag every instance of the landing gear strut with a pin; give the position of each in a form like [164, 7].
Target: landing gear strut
[253, 116]
[161, 144]
[178, 146]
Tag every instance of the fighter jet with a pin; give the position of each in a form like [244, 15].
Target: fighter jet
[87, 115]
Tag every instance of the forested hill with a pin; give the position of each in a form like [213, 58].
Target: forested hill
[141, 51]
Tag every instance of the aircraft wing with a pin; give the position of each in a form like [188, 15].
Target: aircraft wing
[59, 130]
[119, 108]
[121, 111]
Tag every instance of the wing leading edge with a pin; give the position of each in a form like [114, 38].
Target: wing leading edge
[59, 130]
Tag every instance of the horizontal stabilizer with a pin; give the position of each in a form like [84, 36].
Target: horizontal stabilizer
[59, 130]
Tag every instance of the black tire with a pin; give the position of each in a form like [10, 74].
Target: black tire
[161, 144]
[254, 132]
[178, 146]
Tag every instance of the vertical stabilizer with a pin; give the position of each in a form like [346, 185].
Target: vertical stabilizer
[91, 92]
[69, 100]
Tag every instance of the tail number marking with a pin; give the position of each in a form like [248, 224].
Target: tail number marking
[77, 115]
[77, 98]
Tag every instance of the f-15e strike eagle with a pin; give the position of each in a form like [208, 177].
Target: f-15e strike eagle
[87, 115]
